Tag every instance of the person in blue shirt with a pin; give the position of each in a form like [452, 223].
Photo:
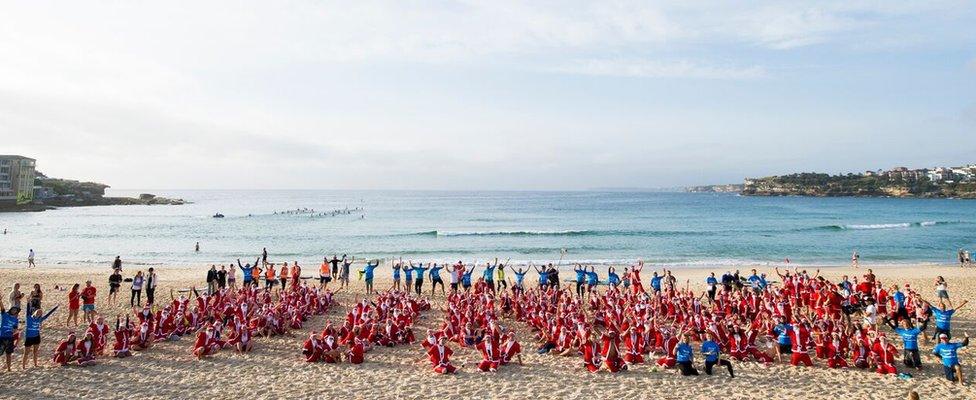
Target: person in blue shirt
[407, 277]
[612, 278]
[592, 279]
[8, 326]
[32, 334]
[435, 279]
[580, 276]
[489, 275]
[466, 278]
[712, 353]
[712, 284]
[543, 276]
[656, 283]
[756, 282]
[368, 275]
[909, 338]
[899, 297]
[420, 270]
[246, 271]
[684, 356]
[783, 342]
[520, 279]
[943, 318]
[947, 352]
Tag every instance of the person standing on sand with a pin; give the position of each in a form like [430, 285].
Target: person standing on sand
[8, 326]
[117, 264]
[855, 259]
[151, 279]
[88, 302]
[135, 300]
[114, 283]
[30, 255]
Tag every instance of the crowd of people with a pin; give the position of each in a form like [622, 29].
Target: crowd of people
[609, 324]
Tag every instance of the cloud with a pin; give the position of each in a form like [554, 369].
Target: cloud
[659, 69]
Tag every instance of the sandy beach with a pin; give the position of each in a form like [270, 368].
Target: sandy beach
[275, 368]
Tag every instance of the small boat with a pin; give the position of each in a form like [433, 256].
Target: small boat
[218, 215]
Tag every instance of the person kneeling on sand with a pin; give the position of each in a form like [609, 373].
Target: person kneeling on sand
[946, 351]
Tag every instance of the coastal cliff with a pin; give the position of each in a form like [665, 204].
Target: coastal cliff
[52, 193]
[856, 185]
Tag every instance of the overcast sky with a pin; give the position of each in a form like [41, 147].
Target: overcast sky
[483, 95]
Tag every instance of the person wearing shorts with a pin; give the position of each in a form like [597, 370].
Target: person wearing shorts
[88, 302]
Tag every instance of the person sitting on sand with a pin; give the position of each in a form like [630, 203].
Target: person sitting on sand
[440, 357]
[85, 350]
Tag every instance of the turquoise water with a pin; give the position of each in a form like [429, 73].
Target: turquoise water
[663, 228]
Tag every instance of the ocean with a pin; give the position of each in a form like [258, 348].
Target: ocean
[673, 229]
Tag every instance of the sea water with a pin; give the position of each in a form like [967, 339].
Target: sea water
[677, 229]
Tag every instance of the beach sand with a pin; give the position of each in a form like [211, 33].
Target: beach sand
[275, 368]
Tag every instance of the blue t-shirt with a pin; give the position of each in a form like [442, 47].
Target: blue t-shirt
[656, 283]
[544, 277]
[8, 323]
[580, 273]
[683, 352]
[519, 277]
[711, 281]
[408, 273]
[943, 319]
[396, 273]
[592, 278]
[710, 350]
[466, 278]
[755, 281]
[33, 325]
[909, 337]
[246, 272]
[435, 273]
[613, 279]
[782, 332]
[420, 272]
[899, 299]
[489, 274]
[369, 270]
[947, 351]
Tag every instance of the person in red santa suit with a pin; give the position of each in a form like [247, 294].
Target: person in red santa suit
[357, 351]
[592, 357]
[205, 344]
[123, 338]
[511, 349]
[65, 352]
[884, 355]
[99, 330]
[611, 352]
[634, 342]
[312, 348]
[800, 339]
[490, 358]
[85, 350]
[439, 356]
[837, 351]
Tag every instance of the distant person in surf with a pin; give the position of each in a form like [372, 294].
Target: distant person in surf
[855, 259]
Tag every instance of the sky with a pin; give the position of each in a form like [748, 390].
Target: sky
[483, 95]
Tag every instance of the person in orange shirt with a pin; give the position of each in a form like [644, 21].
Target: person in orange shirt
[269, 277]
[283, 275]
[325, 274]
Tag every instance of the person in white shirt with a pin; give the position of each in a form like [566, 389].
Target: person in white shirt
[30, 259]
